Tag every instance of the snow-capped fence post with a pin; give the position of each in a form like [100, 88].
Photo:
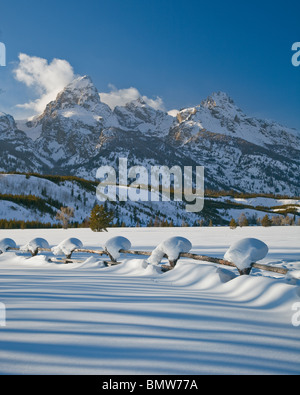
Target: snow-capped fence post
[110, 256]
[246, 271]
[67, 247]
[245, 253]
[170, 248]
[35, 245]
[114, 246]
[6, 245]
[242, 255]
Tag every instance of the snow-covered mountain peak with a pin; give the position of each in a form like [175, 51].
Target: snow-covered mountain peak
[219, 100]
[81, 83]
[81, 92]
[136, 105]
[219, 114]
[6, 122]
[78, 103]
[139, 102]
[138, 115]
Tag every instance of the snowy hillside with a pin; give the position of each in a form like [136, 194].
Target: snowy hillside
[38, 198]
[198, 318]
[55, 192]
[77, 133]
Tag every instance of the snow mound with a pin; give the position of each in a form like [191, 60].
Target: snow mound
[5, 244]
[89, 263]
[171, 247]
[34, 245]
[196, 276]
[262, 292]
[115, 244]
[246, 251]
[36, 261]
[134, 267]
[293, 277]
[67, 246]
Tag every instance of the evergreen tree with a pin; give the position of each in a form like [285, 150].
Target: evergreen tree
[233, 224]
[150, 223]
[156, 221]
[266, 221]
[100, 219]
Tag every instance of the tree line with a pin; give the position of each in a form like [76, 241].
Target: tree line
[266, 221]
[101, 217]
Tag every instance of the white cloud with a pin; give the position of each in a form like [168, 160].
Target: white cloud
[119, 97]
[47, 79]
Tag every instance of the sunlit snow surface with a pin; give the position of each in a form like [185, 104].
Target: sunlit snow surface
[199, 318]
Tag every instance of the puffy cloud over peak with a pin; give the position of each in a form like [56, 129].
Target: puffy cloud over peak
[120, 97]
[47, 79]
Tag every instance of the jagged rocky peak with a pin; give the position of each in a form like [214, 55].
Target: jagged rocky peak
[136, 106]
[78, 101]
[81, 92]
[7, 122]
[139, 102]
[132, 106]
[9, 130]
[138, 115]
[218, 99]
[186, 114]
[217, 102]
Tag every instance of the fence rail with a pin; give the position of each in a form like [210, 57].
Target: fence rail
[203, 258]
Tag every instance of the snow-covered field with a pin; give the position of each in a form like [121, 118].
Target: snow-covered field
[199, 318]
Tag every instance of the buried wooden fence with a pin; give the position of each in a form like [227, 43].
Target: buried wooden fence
[203, 258]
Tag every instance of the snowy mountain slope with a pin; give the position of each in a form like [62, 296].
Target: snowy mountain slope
[219, 114]
[17, 149]
[233, 163]
[38, 198]
[139, 116]
[80, 195]
[77, 133]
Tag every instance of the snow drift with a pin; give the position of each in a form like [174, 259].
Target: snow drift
[84, 318]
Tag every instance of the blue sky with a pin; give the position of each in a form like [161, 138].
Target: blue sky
[179, 51]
